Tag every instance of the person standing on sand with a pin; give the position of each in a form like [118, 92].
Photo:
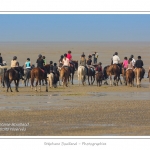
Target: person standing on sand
[96, 57]
[1, 60]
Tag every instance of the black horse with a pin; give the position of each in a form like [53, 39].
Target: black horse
[13, 74]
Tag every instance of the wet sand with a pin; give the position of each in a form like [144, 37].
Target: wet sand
[76, 110]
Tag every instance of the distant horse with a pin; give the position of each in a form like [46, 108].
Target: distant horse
[27, 75]
[64, 75]
[81, 74]
[138, 76]
[91, 73]
[111, 70]
[39, 74]
[124, 75]
[11, 75]
[99, 78]
[129, 77]
[73, 68]
[2, 70]
[52, 80]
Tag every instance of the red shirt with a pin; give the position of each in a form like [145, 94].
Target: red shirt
[69, 56]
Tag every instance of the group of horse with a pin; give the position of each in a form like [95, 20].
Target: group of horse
[66, 75]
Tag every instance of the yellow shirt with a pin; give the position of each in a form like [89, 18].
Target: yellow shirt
[14, 63]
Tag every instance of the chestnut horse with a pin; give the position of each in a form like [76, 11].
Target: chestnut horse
[39, 74]
[129, 74]
[64, 75]
[99, 78]
[112, 70]
[138, 76]
[11, 75]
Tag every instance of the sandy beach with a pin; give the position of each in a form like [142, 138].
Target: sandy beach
[76, 110]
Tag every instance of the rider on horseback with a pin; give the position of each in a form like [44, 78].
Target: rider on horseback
[66, 62]
[28, 64]
[139, 64]
[133, 60]
[125, 63]
[130, 64]
[98, 68]
[83, 62]
[69, 56]
[44, 58]
[89, 63]
[61, 61]
[1, 60]
[15, 65]
[116, 60]
[40, 63]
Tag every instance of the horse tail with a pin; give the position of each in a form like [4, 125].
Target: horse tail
[6, 78]
[32, 78]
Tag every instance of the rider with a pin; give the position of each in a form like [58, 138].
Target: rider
[139, 64]
[125, 63]
[1, 60]
[44, 58]
[66, 62]
[15, 65]
[28, 64]
[55, 69]
[61, 61]
[89, 63]
[98, 68]
[51, 66]
[116, 60]
[130, 65]
[40, 63]
[69, 56]
[133, 60]
[83, 62]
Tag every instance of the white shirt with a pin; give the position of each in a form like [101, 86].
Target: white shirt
[66, 62]
[133, 61]
[116, 59]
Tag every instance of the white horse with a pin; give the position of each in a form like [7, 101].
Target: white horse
[81, 74]
[51, 80]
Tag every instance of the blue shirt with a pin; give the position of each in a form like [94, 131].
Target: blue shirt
[28, 64]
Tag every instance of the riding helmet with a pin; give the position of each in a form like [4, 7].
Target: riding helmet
[69, 52]
[40, 55]
[65, 55]
[43, 57]
[132, 56]
[51, 62]
[15, 57]
[116, 53]
[55, 64]
[139, 57]
[28, 59]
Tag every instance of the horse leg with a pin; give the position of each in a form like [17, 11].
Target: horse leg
[39, 85]
[36, 84]
[72, 77]
[110, 80]
[93, 79]
[10, 85]
[46, 84]
[88, 80]
[15, 81]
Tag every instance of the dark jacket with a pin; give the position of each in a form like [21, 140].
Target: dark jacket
[89, 61]
[40, 63]
[139, 64]
[1, 60]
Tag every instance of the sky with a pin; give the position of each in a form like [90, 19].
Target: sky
[74, 27]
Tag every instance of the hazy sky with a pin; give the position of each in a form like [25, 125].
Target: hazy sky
[74, 27]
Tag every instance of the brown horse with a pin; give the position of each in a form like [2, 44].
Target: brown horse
[124, 75]
[129, 77]
[138, 76]
[11, 75]
[64, 75]
[39, 74]
[99, 78]
[112, 70]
